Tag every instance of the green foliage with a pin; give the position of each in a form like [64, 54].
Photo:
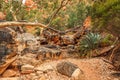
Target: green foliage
[73, 14]
[13, 9]
[106, 16]
[78, 15]
[90, 42]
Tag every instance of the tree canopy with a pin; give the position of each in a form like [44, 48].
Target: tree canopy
[106, 16]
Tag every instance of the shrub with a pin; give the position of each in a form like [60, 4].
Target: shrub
[106, 16]
[79, 14]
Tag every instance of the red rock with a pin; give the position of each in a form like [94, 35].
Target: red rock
[9, 73]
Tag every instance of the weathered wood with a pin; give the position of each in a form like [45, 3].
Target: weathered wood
[102, 51]
[18, 23]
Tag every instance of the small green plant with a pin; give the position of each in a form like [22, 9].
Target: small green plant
[90, 42]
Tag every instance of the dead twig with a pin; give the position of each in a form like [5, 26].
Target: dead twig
[114, 51]
[15, 17]
[63, 3]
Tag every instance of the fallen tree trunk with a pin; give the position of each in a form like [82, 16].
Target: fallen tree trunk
[76, 35]
[24, 23]
[19, 23]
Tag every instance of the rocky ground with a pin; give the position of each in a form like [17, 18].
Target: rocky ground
[39, 62]
[32, 69]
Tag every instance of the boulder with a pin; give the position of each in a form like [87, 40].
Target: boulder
[69, 69]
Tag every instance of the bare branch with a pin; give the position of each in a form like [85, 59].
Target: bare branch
[15, 17]
[63, 3]
[16, 23]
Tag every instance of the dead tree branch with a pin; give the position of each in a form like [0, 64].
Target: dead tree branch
[15, 17]
[17, 23]
[63, 3]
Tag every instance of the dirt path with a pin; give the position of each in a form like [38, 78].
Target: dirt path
[94, 69]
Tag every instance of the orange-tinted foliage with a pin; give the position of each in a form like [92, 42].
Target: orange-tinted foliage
[87, 22]
[30, 4]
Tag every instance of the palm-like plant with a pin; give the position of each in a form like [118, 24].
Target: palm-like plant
[90, 42]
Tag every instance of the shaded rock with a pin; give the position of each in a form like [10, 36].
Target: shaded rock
[15, 65]
[67, 68]
[71, 49]
[6, 37]
[43, 41]
[52, 46]
[47, 53]
[3, 52]
[67, 40]
[9, 73]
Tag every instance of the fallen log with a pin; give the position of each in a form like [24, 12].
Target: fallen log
[24, 23]
[19, 23]
[102, 51]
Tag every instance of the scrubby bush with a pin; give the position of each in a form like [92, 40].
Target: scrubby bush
[79, 14]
